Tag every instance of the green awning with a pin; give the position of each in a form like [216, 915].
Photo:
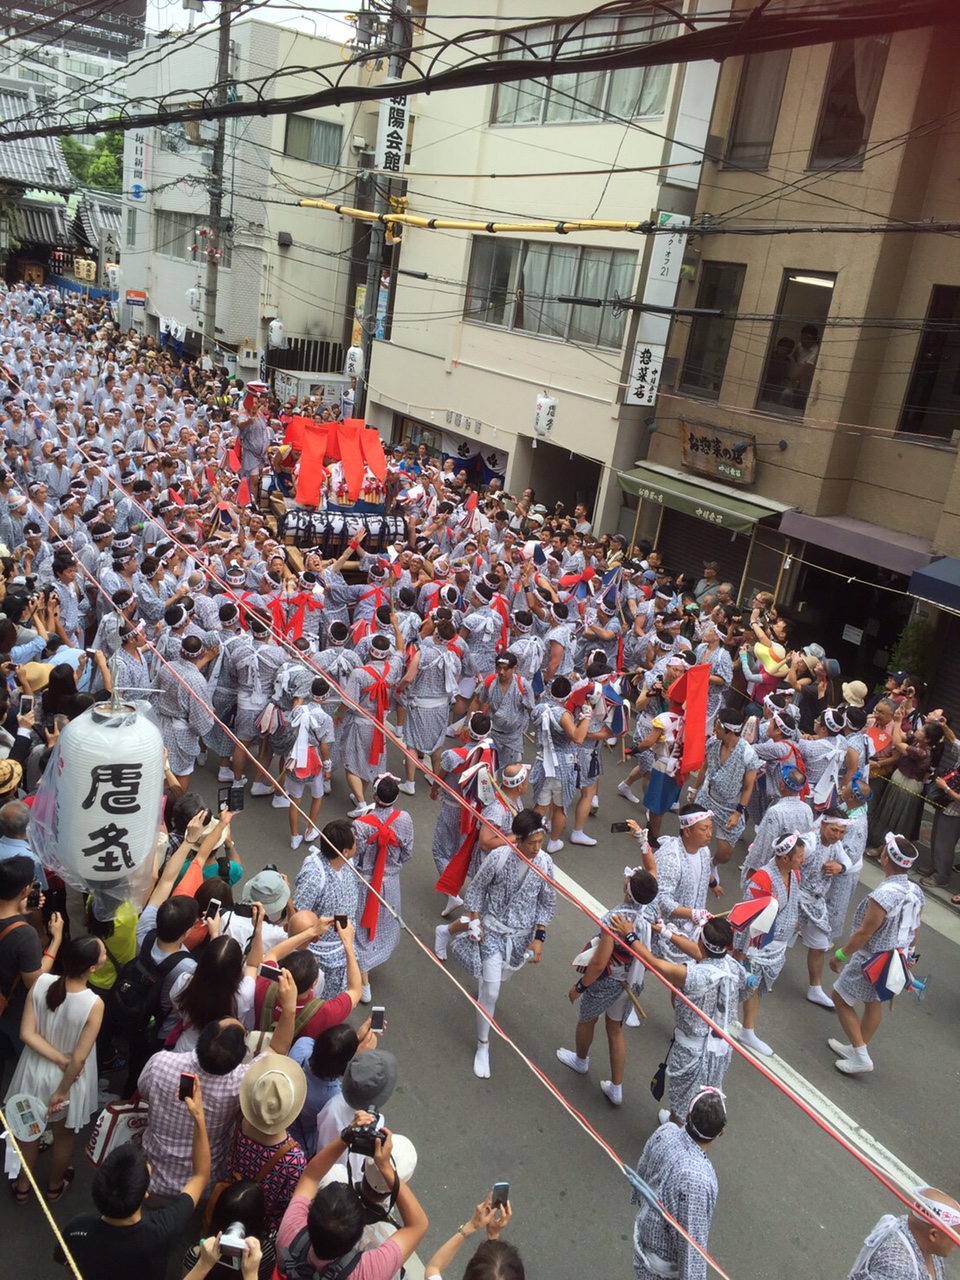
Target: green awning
[716, 504]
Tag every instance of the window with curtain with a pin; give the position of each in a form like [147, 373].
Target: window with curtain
[849, 101]
[577, 96]
[316, 141]
[174, 234]
[758, 109]
[516, 285]
[710, 336]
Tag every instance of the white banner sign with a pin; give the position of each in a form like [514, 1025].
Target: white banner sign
[392, 134]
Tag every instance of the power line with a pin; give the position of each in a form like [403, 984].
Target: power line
[733, 34]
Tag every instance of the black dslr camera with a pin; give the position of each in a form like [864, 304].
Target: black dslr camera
[362, 1138]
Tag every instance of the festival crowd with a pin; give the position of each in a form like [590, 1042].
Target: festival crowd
[508, 657]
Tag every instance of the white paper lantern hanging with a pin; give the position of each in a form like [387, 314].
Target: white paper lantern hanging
[97, 811]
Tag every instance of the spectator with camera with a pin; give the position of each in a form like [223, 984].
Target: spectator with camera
[495, 1259]
[124, 1241]
[368, 1082]
[324, 1224]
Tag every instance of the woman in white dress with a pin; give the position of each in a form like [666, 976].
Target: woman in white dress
[58, 1065]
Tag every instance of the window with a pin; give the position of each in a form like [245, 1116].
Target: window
[758, 109]
[804, 305]
[710, 336]
[849, 100]
[516, 285]
[131, 229]
[932, 406]
[582, 95]
[316, 141]
[175, 233]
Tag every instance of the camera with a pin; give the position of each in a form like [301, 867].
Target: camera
[233, 1241]
[361, 1139]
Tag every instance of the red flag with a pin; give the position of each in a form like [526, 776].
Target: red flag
[233, 459]
[371, 446]
[175, 497]
[348, 437]
[314, 448]
[471, 502]
[211, 477]
[691, 690]
[243, 493]
[295, 431]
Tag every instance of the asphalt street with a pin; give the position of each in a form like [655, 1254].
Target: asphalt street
[793, 1202]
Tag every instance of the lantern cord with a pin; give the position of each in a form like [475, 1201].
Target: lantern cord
[440, 783]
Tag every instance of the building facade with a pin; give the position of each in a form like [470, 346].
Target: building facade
[278, 261]
[819, 378]
[481, 325]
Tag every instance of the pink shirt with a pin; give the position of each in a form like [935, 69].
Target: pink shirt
[375, 1264]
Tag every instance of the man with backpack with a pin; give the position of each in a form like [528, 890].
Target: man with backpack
[141, 1007]
[321, 1231]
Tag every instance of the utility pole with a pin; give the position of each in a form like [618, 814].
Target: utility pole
[390, 156]
[216, 181]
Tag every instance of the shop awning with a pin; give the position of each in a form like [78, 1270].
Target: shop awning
[938, 582]
[901, 552]
[717, 504]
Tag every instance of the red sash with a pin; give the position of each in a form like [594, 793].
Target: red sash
[379, 694]
[379, 594]
[455, 872]
[386, 838]
[306, 602]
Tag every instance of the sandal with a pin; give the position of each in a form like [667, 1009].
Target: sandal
[21, 1197]
[54, 1193]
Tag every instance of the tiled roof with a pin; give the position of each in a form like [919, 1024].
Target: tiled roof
[99, 215]
[38, 222]
[30, 162]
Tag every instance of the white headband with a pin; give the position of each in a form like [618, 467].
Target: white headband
[944, 1213]
[785, 846]
[896, 854]
[690, 819]
[517, 780]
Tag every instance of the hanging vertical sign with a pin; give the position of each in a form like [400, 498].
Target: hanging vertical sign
[135, 155]
[392, 127]
[660, 290]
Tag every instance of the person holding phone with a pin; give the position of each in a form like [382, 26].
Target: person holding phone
[493, 1257]
[23, 958]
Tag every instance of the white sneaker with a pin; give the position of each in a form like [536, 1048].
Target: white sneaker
[311, 833]
[627, 794]
[663, 1115]
[839, 1048]
[481, 1060]
[296, 842]
[817, 995]
[261, 788]
[202, 759]
[280, 802]
[408, 788]
[569, 1059]
[360, 810]
[441, 940]
[554, 846]
[365, 996]
[225, 774]
[612, 1092]
[578, 837]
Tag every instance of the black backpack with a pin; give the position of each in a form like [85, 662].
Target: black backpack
[136, 993]
[294, 1264]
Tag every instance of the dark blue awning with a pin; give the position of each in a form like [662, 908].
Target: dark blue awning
[938, 582]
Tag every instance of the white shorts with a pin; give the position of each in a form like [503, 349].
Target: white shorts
[467, 687]
[294, 786]
[813, 937]
[551, 792]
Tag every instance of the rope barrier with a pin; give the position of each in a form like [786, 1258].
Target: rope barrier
[41, 1199]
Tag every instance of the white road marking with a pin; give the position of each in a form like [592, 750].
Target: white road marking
[835, 1116]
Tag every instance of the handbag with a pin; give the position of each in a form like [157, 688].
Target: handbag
[658, 1084]
[117, 1124]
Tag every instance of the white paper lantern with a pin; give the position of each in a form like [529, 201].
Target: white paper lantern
[275, 333]
[353, 363]
[544, 414]
[97, 812]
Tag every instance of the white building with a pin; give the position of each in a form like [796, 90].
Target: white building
[279, 261]
[75, 81]
[471, 347]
